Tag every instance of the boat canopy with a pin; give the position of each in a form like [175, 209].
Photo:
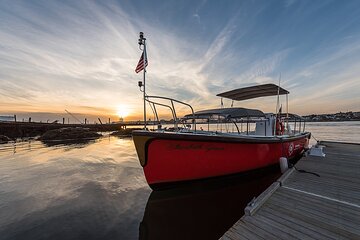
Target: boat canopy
[227, 113]
[254, 92]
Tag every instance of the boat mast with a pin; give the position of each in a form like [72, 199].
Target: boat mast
[287, 113]
[142, 41]
[277, 104]
[278, 97]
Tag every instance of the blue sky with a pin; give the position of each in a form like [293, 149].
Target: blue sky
[81, 55]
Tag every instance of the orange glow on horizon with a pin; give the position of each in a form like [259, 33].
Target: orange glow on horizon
[123, 111]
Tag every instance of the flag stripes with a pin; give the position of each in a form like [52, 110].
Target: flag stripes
[141, 62]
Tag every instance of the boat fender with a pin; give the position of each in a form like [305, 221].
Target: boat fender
[283, 164]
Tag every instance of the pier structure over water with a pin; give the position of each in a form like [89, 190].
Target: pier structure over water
[319, 200]
[31, 129]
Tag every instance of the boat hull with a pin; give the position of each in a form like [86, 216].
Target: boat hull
[172, 157]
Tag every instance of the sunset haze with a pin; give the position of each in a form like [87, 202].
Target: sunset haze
[81, 55]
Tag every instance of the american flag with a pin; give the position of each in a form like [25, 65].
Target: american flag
[140, 65]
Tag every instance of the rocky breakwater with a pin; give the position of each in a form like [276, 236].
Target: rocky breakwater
[69, 134]
[124, 132]
[4, 139]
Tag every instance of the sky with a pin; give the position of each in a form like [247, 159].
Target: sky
[81, 55]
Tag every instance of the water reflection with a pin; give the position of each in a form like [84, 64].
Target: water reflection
[76, 143]
[205, 210]
[97, 191]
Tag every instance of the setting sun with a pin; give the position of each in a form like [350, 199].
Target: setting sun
[122, 111]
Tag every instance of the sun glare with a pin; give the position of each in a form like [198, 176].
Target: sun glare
[122, 111]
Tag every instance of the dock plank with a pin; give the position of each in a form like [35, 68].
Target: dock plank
[309, 229]
[264, 233]
[309, 207]
[313, 203]
[269, 225]
[319, 218]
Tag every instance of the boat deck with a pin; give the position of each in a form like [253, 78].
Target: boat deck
[301, 205]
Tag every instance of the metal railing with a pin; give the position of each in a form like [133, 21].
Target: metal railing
[171, 107]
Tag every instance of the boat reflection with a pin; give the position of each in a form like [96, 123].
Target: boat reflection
[203, 210]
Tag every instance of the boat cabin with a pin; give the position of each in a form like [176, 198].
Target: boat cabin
[234, 120]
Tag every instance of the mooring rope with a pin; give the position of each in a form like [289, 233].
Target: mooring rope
[304, 171]
[312, 135]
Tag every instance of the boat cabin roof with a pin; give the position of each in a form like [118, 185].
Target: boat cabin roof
[254, 92]
[227, 113]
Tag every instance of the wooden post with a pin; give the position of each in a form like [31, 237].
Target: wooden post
[29, 119]
[63, 120]
[109, 121]
[85, 120]
[15, 118]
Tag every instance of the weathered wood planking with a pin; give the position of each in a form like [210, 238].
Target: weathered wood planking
[305, 206]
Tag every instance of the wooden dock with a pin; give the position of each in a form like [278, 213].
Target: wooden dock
[302, 205]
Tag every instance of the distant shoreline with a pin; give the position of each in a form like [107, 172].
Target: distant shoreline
[343, 120]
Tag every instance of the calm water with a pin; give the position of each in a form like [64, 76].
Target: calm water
[97, 190]
[335, 131]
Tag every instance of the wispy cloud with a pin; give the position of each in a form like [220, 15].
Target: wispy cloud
[288, 3]
[81, 55]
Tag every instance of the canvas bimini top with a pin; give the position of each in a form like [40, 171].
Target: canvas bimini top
[235, 112]
[263, 90]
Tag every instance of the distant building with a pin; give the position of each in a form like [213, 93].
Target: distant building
[7, 118]
[341, 116]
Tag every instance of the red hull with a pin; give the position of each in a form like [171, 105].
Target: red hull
[176, 159]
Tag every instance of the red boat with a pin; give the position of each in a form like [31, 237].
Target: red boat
[186, 153]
